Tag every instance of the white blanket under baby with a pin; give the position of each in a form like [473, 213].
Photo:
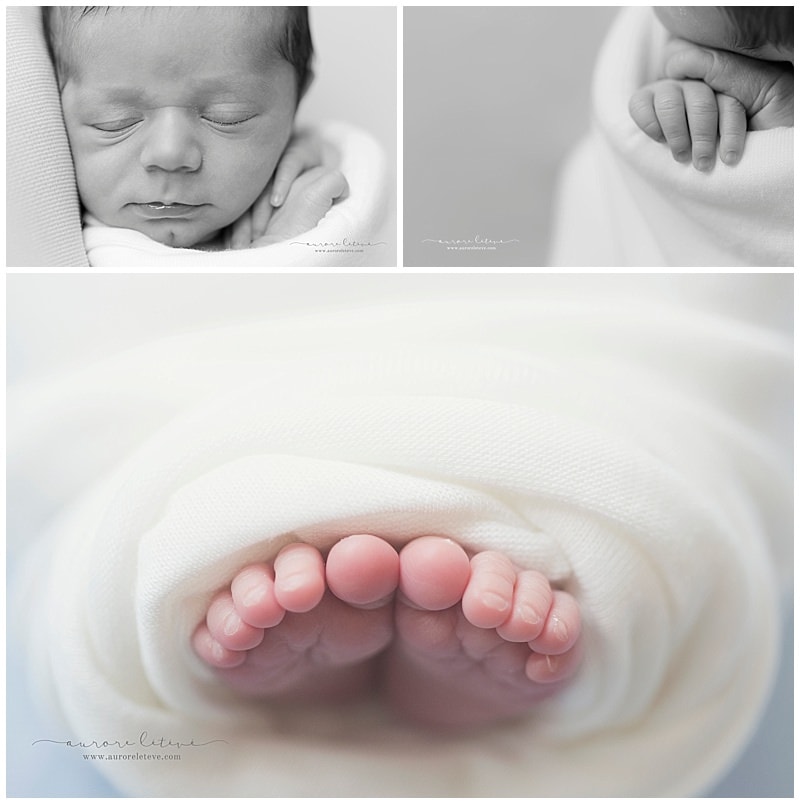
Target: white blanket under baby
[636, 451]
[624, 201]
[348, 235]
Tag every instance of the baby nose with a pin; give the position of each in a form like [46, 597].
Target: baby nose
[171, 143]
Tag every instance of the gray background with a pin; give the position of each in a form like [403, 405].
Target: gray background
[494, 98]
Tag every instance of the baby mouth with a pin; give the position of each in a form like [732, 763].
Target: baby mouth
[162, 209]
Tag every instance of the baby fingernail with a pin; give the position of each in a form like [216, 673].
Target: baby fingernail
[683, 156]
[704, 163]
[730, 157]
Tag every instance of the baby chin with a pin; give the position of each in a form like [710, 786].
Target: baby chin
[175, 225]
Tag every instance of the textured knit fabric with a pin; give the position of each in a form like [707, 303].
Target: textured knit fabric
[636, 450]
[42, 207]
[624, 201]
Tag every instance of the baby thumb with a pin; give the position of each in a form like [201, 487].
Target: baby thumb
[740, 77]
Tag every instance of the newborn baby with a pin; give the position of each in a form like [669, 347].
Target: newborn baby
[727, 70]
[178, 118]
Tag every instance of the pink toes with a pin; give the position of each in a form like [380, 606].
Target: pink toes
[363, 570]
[490, 591]
[546, 668]
[253, 592]
[227, 627]
[299, 577]
[562, 626]
[212, 653]
[532, 600]
[434, 573]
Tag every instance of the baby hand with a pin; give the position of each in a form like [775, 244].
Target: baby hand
[764, 88]
[303, 153]
[309, 199]
[687, 116]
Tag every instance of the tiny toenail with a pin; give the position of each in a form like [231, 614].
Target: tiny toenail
[495, 602]
[253, 595]
[560, 630]
[529, 615]
[231, 624]
[291, 582]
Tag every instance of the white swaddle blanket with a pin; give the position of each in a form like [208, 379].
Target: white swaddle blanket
[634, 449]
[348, 235]
[625, 201]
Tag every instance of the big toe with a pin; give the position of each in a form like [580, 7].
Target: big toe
[363, 570]
[434, 573]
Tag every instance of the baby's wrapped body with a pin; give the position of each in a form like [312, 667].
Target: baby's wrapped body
[628, 438]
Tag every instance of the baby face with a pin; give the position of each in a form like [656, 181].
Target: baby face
[176, 118]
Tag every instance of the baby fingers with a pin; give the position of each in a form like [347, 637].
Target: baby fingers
[732, 129]
[670, 109]
[303, 153]
[642, 109]
[703, 121]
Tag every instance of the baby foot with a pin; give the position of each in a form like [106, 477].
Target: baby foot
[304, 628]
[478, 640]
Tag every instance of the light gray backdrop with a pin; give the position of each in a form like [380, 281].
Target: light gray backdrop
[494, 97]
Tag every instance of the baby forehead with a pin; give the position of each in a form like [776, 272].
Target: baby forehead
[238, 27]
[160, 42]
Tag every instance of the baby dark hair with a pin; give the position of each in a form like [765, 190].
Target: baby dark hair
[760, 25]
[293, 41]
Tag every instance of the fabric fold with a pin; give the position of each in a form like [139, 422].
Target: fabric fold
[623, 448]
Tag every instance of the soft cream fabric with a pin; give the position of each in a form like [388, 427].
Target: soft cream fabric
[635, 447]
[624, 201]
[347, 235]
[42, 208]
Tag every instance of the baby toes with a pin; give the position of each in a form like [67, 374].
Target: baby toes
[433, 573]
[363, 571]
[533, 598]
[212, 653]
[227, 627]
[544, 668]
[562, 626]
[253, 592]
[490, 591]
[299, 577]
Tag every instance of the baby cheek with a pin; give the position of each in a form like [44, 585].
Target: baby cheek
[249, 168]
[98, 172]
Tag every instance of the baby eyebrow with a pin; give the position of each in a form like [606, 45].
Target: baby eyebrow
[232, 87]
